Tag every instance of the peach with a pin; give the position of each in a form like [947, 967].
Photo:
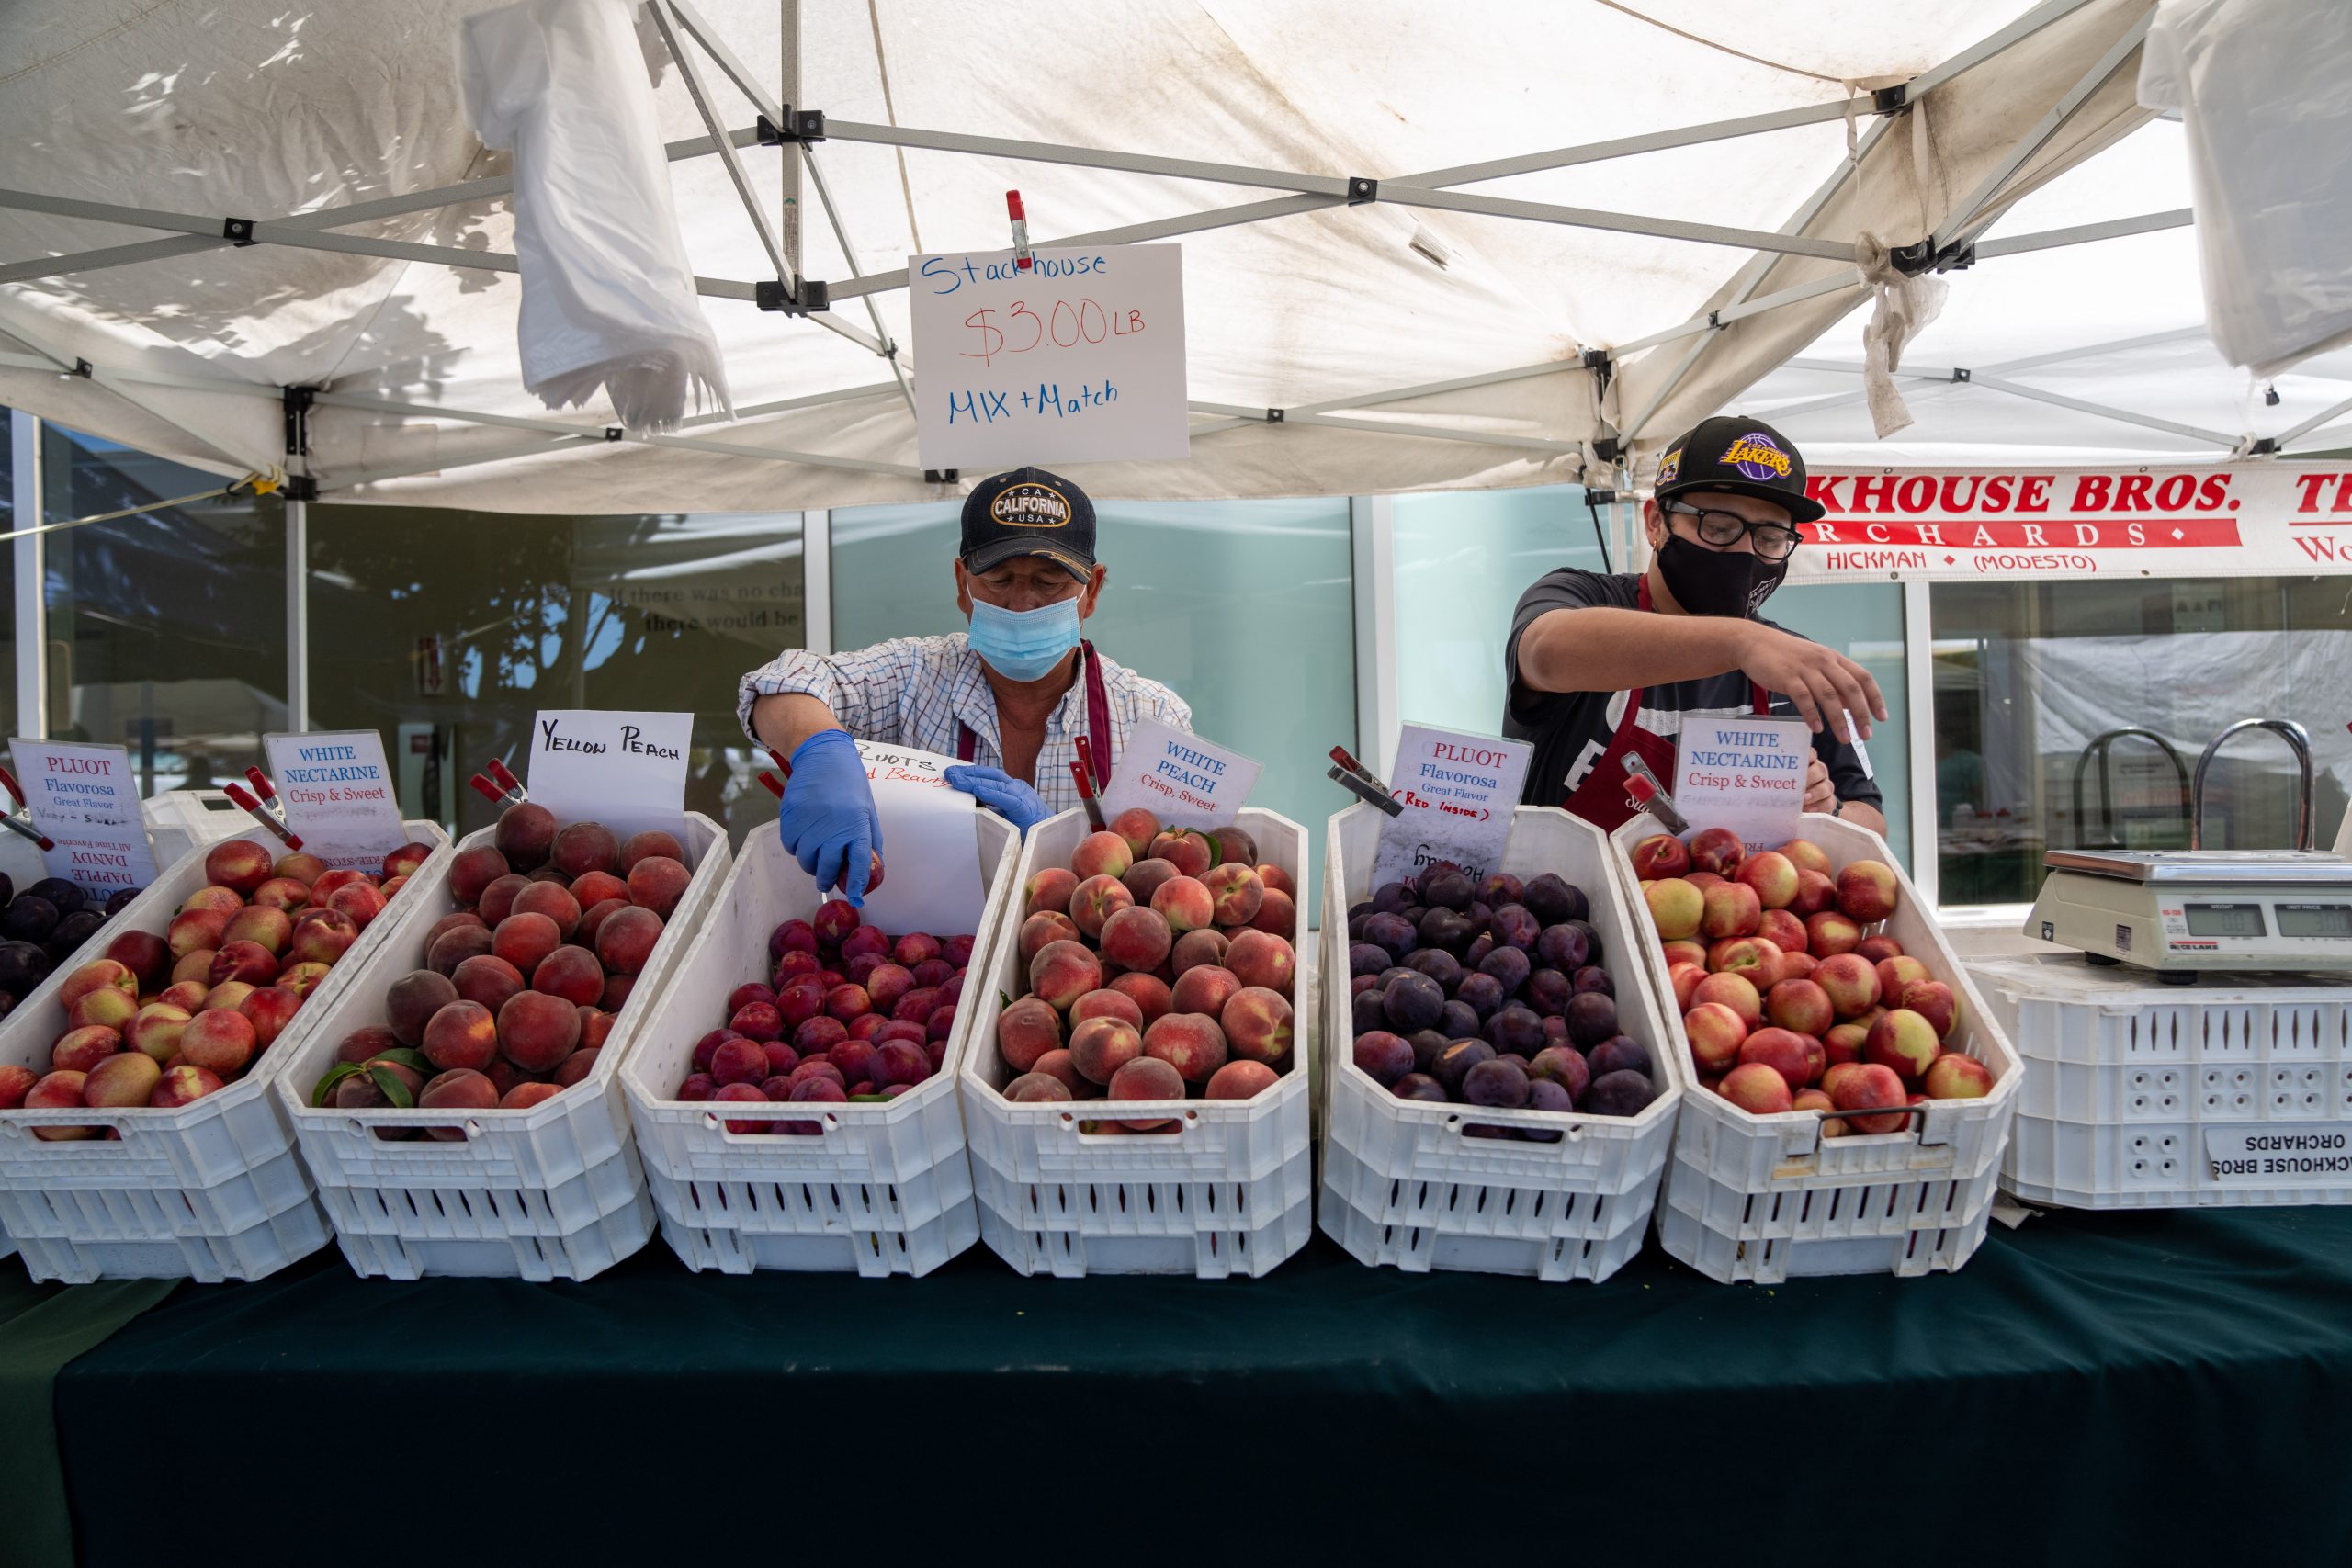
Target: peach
[453, 947]
[1880, 948]
[1031, 1088]
[357, 900]
[330, 882]
[1101, 1047]
[625, 943]
[1106, 1003]
[360, 1045]
[596, 887]
[1806, 855]
[1026, 1031]
[1203, 989]
[105, 1008]
[1138, 827]
[1684, 978]
[412, 1000]
[1733, 990]
[1933, 1001]
[551, 900]
[1045, 926]
[1064, 971]
[79, 1050]
[406, 861]
[1866, 891]
[1868, 1086]
[194, 930]
[1729, 909]
[1235, 894]
[1277, 880]
[323, 939]
[456, 920]
[1844, 1043]
[1815, 893]
[282, 893]
[1100, 854]
[1261, 959]
[1257, 1025]
[525, 938]
[1056, 1065]
[261, 925]
[1783, 931]
[59, 1090]
[145, 954]
[185, 995]
[647, 845]
[1146, 1078]
[219, 1040]
[1716, 1034]
[1702, 880]
[246, 961]
[1954, 1077]
[1676, 907]
[536, 1031]
[617, 992]
[98, 975]
[1096, 900]
[1851, 981]
[1193, 949]
[657, 883]
[1148, 992]
[1240, 1080]
[269, 1011]
[463, 1034]
[592, 921]
[183, 1083]
[1781, 1050]
[1194, 1044]
[1757, 1089]
[1718, 849]
[576, 1068]
[471, 871]
[497, 900]
[1186, 903]
[1896, 972]
[1903, 1042]
[1235, 846]
[230, 994]
[1772, 876]
[1829, 933]
[459, 1089]
[1813, 1099]
[1135, 939]
[1277, 914]
[571, 973]
[486, 979]
[237, 863]
[1801, 1006]
[124, 1079]
[523, 1096]
[1685, 952]
[1191, 851]
[1048, 889]
[1659, 856]
[223, 901]
[155, 1031]
[583, 847]
[300, 866]
[1751, 955]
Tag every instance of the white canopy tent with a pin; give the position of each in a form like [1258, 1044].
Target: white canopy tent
[1378, 246]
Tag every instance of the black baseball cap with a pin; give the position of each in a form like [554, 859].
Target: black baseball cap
[1029, 512]
[1745, 457]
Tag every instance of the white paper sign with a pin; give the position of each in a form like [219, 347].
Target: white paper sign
[1458, 792]
[1744, 773]
[905, 764]
[338, 796]
[85, 798]
[1181, 779]
[2281, 1153]
[625, 770]
[1079, 358]
[930, 860]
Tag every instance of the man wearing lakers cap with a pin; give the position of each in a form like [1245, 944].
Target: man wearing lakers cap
[1010, 697]
[1606, 667]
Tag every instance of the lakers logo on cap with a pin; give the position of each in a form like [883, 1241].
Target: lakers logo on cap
[1670, 466]
[1757, 456]
[1030, 505]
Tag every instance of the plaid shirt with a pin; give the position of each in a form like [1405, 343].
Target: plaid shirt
[915, 691]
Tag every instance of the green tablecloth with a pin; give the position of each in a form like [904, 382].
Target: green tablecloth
[2149, 1387]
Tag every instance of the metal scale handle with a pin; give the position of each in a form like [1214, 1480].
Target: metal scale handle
[2103, 749]
[2297, 738]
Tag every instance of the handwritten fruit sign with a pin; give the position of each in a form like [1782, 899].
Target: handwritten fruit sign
[85, 798]
[1458, 792]
[1184, 781]
[1077, 358]
[338, 796]
[1744, 773]
[625, 770]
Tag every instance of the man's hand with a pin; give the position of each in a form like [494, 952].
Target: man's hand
[1820, 794]
[826, 816]
[1002, 793]
[1818, 680]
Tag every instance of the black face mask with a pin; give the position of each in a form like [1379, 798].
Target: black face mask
[1717, 582]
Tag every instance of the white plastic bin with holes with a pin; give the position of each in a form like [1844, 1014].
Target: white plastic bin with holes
[1230, 1193]
[1766, 1198]
[884, 1189]
[179, 820]
[554, 1192]
[1402, 1185]
[211, 1190]
[2236, 1090]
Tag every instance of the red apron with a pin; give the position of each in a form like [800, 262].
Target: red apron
[1098, 720]
[1601, 799]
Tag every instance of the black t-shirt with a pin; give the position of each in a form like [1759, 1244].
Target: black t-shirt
[1571, 729]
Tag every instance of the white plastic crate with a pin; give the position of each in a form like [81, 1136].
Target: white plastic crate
[2126, 1078]
[902, 1163]
[485, 1203]
[1393, 1167]
[261, 1249]
[1838, 1190]
[1249, 1155]
[222, 1166]
[179, 820]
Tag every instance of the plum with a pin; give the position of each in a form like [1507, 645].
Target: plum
[1547, 991]
[1593, 977]
[1619, 1054]
[1369, 1011]
[1551, 898]
[1515, 1030]
[1445, 928]
[1427, 1046]
[1438, 965]
[1475, 953]
[1500, 888]
[1561, 1065]
[1384, 1056]
[1413, 1001]
[1498, 1085]
[1419, 1086]
[1481, 993]
[1512, 926]
[1458, 1021]
[1508, 966]
[1562, 947]
[1619, 1094]
[1391, 897]
[1592, 1018]
[1453, 1064]
[1389, 931]
[1544, 1094]
[1368, 958]
[1447, 886]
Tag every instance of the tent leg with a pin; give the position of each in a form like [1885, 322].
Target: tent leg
[298, 614]
[30, 562]
[1372, 534]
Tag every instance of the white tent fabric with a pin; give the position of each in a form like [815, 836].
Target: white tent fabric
[279, 112]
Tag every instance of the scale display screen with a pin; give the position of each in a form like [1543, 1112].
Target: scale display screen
[2226, 920]
[2315, 919]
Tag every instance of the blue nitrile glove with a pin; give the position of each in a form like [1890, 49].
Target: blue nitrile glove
[1000, 793]
[827, 817]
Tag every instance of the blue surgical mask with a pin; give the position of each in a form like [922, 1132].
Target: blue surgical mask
[1023, 645]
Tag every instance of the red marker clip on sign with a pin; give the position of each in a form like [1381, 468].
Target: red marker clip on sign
[1022, 255]
[500, 787]
[253, 808]
[22, 825]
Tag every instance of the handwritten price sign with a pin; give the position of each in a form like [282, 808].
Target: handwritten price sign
[1459, 793]
[1079, 358]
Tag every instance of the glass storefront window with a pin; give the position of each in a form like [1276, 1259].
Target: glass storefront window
[2070, 715]
[447, 630]
[1865, 622]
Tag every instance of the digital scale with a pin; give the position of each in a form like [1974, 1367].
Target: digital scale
[2185, 912]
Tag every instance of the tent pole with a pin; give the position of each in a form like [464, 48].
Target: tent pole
[2016, 390]
[1372, 534]
[691, 74]
[817, 579]
[1786, 243]
[898, 366]
[2297, 433]
[298, 614]
[32, 577]
[789, 51]
[1919, 697]
[1984, 48]
[2086, 233]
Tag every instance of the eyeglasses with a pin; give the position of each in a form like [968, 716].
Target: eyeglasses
[1772, 541]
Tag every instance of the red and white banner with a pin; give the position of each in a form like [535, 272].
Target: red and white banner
[2259, 518]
